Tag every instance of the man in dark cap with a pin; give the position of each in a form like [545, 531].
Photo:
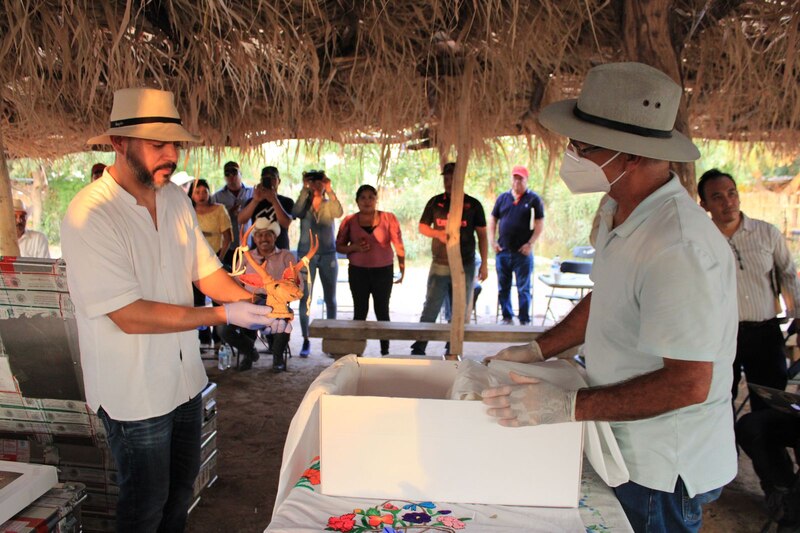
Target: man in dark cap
[433, 224]
[267, 203]
[234, 195]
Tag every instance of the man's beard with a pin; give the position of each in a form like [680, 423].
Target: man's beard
[143, 175]
[20, 230]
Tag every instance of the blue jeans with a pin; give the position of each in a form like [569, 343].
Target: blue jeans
[654, 511]
[328, 274]
[157, 461]
[521, 266]
[439, 286]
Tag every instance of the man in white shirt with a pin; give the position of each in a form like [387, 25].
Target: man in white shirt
[765, 270]
[31, 243]
[133, 248]
[660, 325]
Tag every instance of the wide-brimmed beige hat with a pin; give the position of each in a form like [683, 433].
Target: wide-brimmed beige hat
[627, 107]
[145, 114]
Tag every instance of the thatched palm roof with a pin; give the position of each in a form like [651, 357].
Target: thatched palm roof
[250, 71]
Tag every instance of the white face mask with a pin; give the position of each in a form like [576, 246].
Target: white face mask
[582, 175]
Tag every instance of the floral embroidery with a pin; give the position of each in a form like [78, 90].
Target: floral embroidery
[452, 521]
[390, 518]
[417, 518]
[341, 523]
[310, 477]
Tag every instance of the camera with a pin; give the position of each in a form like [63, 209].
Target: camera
[314, 175]
[268, 177]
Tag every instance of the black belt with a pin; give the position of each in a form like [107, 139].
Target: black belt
[749, 324]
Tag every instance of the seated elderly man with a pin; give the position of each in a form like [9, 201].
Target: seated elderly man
[265, 234]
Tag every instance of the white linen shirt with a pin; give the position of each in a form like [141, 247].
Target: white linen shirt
[761, 252]
[115, 256]
[665, 286]
[33, 244]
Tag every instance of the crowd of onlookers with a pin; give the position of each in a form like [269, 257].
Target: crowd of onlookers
[370, 238]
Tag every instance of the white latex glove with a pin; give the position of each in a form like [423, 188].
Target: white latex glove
[530, 402]
[252, 316]
[521, 353]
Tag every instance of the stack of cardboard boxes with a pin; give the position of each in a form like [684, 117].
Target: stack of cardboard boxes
[43, 416]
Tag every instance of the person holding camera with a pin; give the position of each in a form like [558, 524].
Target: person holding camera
[317, 208]
[267, 203]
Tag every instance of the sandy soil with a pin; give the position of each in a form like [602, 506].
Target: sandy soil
[256, 407]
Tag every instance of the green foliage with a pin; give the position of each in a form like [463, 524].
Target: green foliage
[409, 179]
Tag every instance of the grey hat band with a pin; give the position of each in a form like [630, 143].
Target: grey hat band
[621, 126]
[144, 120]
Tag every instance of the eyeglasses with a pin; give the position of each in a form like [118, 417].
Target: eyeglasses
[583, 151]
[737, 254]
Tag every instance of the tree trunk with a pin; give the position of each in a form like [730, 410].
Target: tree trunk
[647, 39]
[8, 227]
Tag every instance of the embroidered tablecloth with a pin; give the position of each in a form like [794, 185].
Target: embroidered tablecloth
[307, 510]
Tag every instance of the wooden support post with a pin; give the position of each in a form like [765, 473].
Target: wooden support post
[647, 38]
[463, 147]
[8, 226]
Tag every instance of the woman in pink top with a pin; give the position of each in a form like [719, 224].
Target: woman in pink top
[367, 238]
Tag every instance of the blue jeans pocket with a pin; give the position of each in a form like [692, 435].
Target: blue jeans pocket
[693, 507]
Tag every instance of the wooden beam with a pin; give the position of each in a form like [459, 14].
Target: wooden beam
[8, 226]
[346, 336]
[349, 330]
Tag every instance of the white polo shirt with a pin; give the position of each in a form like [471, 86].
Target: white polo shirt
[33, 244]
[665, 286]
[115, 256]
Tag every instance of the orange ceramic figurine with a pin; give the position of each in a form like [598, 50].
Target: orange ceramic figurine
[279, 292]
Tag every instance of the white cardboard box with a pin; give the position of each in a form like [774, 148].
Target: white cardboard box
[396, 437]
[21, 484]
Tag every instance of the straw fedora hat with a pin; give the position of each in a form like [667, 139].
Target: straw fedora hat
[145, 114]
[627, 107]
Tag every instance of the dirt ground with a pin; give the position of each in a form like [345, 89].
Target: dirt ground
[256, 407]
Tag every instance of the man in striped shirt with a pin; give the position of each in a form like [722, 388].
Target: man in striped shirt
[764, 270]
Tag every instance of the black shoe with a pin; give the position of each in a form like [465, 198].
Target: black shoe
[417, 351]
[254, 355]
[507, 322]
[524, 322]
[385, 351]
[277, 369]
[246, 364]
[306, 349]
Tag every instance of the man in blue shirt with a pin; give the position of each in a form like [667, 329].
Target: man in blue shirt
[234, 195]
[514, 248]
